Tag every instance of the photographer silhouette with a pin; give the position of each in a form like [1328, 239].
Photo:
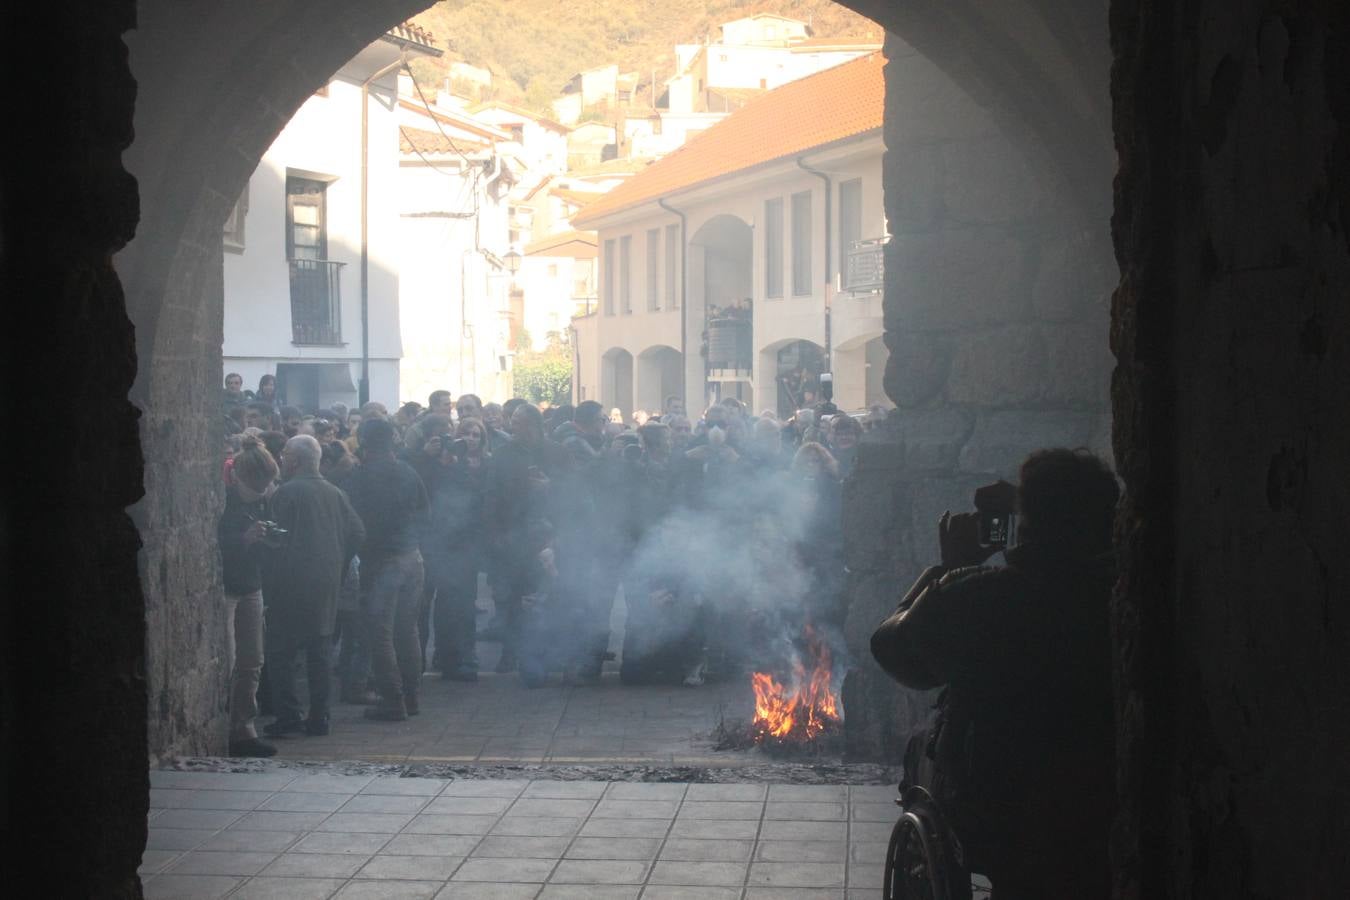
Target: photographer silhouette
[1024, 745]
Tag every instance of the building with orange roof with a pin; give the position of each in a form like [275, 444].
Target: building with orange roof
[747, 262]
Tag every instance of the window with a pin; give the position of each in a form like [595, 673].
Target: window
[609, 278]
[801, 244]
[518, 133]
[626, 273]
[306, 219]
[674, 260]
[773, 247]
[234, 225]
[850, 219]
[316, 296]
[653, 269]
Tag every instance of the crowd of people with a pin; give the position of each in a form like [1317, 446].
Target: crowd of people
[364, 534]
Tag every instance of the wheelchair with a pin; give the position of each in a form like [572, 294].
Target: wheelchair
[925, 859]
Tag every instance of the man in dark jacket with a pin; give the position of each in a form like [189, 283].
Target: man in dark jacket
[301, 581]
[521, 509]
[1025, 751]
[392, 501]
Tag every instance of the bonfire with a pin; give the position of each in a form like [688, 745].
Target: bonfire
[802, 708]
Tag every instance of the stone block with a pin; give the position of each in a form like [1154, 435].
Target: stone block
[930, 440]
[923, 103]
[1001, 367]
[917, 366]
[913, 187]
[1003, 439]
[956, 279]
[986, 182]
[1074, 277]
[1078, 365]
[875, 513]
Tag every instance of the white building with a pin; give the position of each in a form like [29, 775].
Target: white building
[757, 53]
[310, 295]
[453, 197]
[717, 265]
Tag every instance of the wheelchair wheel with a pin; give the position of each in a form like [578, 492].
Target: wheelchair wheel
[923, 861]
[911, 862]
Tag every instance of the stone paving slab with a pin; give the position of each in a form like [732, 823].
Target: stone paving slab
[325, 835]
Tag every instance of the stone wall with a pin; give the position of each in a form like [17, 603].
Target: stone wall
[72, 693]
[996, 313]
[1232, 328]
[218, 83]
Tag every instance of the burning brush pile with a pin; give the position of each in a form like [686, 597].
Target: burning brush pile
[799, 715]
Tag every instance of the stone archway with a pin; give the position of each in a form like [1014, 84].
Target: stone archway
[659, 371]
[720, 272]
[1196, 715]
[616, 381]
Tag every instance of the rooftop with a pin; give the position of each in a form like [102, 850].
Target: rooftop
[841, 102]
[419, 140]
[576, 244]
[522, 112]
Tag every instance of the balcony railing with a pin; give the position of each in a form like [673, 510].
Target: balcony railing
[864, 268]
[584, 304]
[316, 301]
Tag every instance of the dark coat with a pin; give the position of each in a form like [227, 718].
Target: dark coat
[241, 563]
[1025, 652]
[302, 577]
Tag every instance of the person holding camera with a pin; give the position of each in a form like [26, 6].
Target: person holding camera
[454, 546]
[302, 577]
[243, 528]
[1024, 743]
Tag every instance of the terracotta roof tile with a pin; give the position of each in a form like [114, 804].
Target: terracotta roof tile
[416, 140]
[841, 102]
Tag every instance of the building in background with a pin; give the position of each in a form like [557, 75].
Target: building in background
[752, 55]
[311, 295]
[454, 253]
[718, 274]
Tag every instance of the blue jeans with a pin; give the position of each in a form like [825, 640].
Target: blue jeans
[392, 598]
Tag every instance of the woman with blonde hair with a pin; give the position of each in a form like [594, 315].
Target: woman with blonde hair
[242, 533]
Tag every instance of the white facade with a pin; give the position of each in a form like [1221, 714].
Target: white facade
[454, 231]
[540, 144]
[293, 302]
[646, 342]
[760, 52]
[764, 28]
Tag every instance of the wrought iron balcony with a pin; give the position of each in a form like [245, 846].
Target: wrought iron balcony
[316, 302]
[865, 266]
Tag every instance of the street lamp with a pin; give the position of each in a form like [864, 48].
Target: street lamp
[512, 260]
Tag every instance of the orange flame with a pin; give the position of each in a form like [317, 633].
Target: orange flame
[805, 710]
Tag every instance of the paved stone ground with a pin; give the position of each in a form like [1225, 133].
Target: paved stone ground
[288, 834]
[498, 720]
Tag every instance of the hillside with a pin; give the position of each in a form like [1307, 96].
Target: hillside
[534, 46]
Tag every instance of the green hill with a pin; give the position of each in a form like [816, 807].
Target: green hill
[534, 46]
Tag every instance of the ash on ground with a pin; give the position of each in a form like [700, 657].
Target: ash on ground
[823, 772]
[733, 735]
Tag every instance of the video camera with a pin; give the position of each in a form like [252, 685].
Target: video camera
[996, 505]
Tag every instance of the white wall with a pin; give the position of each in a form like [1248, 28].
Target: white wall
[454, 302]
[322, 140]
